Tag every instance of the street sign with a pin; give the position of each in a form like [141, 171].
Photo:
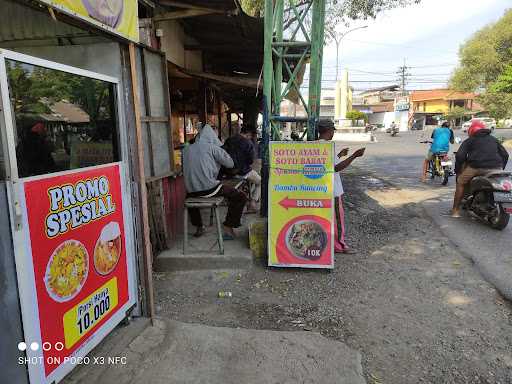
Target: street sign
[301, 204]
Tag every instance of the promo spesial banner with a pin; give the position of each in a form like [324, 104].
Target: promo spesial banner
[77, 238]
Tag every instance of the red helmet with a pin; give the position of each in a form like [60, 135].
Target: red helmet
[476, 126]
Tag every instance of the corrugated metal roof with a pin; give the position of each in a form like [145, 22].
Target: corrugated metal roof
[20, 22]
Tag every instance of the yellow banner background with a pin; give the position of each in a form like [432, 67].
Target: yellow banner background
[280, 216]
[120, 19]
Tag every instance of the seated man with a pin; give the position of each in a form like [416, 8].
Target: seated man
[478, 155]
[441, 139]
[201, 164]
[241, 149]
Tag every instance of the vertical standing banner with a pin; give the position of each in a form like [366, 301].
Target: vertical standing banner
[78, 250]
[301, 202]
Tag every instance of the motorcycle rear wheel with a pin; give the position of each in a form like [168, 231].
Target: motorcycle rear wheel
[500, 220]
[446, 177]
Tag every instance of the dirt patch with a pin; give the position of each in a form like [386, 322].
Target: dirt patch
[412, 304]
[392, 198]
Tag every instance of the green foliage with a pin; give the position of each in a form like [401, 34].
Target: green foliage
[486, 66]
[455, 113]
[504, 82]
[24, 100]
[356, 115]
[337, 11]
[253, 7]
[485, 56]
[498, 104]
[33, 89]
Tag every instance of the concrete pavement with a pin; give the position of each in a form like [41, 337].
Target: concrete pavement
[398, 160]
[172, 352]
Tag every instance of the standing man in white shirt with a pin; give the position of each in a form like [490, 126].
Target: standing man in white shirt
[326, 131]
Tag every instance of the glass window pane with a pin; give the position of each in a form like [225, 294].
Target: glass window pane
[160, 147]
[155, 84]
[62, 121]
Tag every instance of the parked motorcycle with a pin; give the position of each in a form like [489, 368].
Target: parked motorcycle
[489, 198]
[440, 166]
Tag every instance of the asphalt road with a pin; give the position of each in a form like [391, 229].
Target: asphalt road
[399, 160]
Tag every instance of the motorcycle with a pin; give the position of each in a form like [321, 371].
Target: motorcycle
[370, 128]
[489, 198]
[440, 166]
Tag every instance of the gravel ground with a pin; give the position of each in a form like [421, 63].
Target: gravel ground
[417, 310]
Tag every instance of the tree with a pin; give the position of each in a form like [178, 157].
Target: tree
[498, 104]
[34, 89]
[486, 67]
[485, 56]
[504, 82]
[337, 11]
[455, 114]
[356, 116]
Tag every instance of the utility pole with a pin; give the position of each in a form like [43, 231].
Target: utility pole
[404, 74]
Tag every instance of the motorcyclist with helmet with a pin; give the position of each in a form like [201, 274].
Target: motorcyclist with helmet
[478, 155]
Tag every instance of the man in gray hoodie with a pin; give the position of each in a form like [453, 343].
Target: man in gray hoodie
[201, 165]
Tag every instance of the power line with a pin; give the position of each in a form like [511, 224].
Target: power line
[397, 45]
[385, 81]
[435, 65]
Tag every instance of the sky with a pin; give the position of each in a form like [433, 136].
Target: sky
[427, 36]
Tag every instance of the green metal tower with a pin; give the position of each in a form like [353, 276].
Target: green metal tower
[293, 38]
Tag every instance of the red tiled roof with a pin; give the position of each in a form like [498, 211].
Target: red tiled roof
[441, 94]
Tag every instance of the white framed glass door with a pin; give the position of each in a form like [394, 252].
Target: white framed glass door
[70, 211]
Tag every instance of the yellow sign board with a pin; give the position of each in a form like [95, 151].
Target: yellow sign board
[301, 226]
[116, 16]
[90, 312]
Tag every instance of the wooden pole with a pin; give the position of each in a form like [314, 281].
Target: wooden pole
[143, 193]
[219, 113]
[203, 106]
[230, 123]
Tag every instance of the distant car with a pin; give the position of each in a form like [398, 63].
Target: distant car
[507, 123]
[489, 123]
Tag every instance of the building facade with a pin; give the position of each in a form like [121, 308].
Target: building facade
[428, 107]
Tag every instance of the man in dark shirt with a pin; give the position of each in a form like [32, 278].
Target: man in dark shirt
[241, 149]
[478, 155]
